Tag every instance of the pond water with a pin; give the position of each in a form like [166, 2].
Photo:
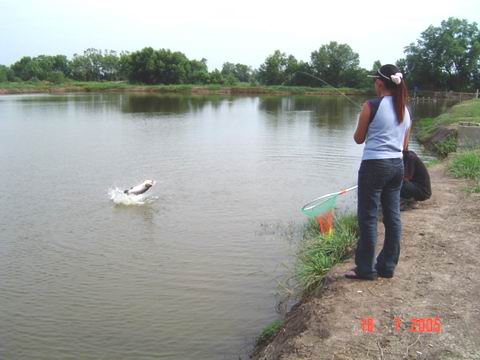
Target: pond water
[193, 272]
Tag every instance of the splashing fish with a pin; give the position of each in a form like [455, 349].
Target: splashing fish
[132, 196]
[141, 188]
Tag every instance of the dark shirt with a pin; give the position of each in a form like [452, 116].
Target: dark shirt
[417, 173]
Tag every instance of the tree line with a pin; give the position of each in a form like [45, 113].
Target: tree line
[446, 57]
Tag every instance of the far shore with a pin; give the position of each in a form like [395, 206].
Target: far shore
[43, 87]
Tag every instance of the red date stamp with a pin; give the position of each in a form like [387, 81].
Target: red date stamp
[416, 325]
[425, 325]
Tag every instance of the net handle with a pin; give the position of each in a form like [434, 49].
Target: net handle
[314, 202]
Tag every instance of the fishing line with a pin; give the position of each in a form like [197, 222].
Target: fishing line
[326, 83]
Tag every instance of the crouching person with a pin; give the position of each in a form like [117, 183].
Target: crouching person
[416, 182]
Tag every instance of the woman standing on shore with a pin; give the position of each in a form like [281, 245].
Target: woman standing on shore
[384, 126]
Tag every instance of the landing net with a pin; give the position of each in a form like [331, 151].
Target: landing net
[322, 210]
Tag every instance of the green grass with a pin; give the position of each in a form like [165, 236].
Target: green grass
[474, 189]
[466, 111]
[446, 146]
[424, 127]
[25, 85]
[45, 86]
[99, 85]
[439, 134]
[269, 331]
[467, 165]
[432, 162]
[315, 257]
[318, 253]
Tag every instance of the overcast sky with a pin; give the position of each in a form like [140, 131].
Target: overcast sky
[245, 31]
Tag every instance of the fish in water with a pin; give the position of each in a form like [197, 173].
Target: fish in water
[140, 189]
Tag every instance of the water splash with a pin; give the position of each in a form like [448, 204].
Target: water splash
[120, 198]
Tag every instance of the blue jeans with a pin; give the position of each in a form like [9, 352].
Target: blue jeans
[379, 181]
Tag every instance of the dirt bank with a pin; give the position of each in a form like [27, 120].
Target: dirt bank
[437, 277]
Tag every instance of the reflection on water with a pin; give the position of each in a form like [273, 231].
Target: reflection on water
[168, 104]
[331, 111]
[431, 109]
[190, 275]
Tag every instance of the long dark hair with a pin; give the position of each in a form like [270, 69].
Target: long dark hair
[399, 92]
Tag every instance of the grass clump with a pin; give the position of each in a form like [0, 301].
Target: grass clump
[269, 331]
[446, 146]
[318, 253]
[467, 165]
[440, 134]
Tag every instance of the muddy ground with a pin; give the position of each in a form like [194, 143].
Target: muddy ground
[437, 281]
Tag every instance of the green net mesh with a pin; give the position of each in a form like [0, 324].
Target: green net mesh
[324, 205]
[322, 209]
[323, 213]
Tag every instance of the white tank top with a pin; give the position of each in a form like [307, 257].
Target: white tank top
[385, 135]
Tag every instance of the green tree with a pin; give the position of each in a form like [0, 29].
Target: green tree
[445, 57]
[337, 64]
[243, 72]
[39, 67]
[23, 68]
[78, 68]
[197, 72]
[123, 65]
[291, 68]
[139, 66]
[6, 74]
[402, 65]
[272, 71]
[240, 72]
[298, 73]
[216, 77]
[110, 63]
[95, 65]
[376, 65]
[163, 66]
[60, 64]
[171, 67]
[56, 77]
[228, 68]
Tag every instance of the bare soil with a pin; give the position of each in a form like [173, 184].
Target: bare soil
[437, 277]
